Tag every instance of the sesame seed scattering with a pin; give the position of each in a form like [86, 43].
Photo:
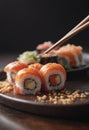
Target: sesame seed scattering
[5, 87]
[63, 97]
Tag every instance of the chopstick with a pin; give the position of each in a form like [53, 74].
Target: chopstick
[86, 19]
[81, 26]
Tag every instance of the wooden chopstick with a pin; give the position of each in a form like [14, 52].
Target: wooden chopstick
[81, 26]
[86, 19]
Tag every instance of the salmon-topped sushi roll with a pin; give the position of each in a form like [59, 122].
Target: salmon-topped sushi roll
[36, 65]
[43, 46]
[70, 55]
[28, 81]
[11, 69]
[53, 77]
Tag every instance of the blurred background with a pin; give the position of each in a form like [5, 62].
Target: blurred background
[26, 23]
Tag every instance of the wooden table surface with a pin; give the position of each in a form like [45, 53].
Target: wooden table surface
[11, 119]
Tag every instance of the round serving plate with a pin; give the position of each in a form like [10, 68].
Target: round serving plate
[28, 103]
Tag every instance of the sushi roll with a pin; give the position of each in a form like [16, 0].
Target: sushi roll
[53, 77]
[43, 46]
[70, 56]
[11, 69]
[36, 65]
[28, 81]
[48, 58]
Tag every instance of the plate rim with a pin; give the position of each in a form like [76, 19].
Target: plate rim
[30, 102]
[86, 66]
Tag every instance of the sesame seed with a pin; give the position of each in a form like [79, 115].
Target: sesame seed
[64, 97]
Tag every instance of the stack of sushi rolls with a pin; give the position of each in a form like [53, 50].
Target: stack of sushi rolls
[69, 56]
[36, 78]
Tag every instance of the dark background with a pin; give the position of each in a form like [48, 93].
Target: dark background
[26, 23]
